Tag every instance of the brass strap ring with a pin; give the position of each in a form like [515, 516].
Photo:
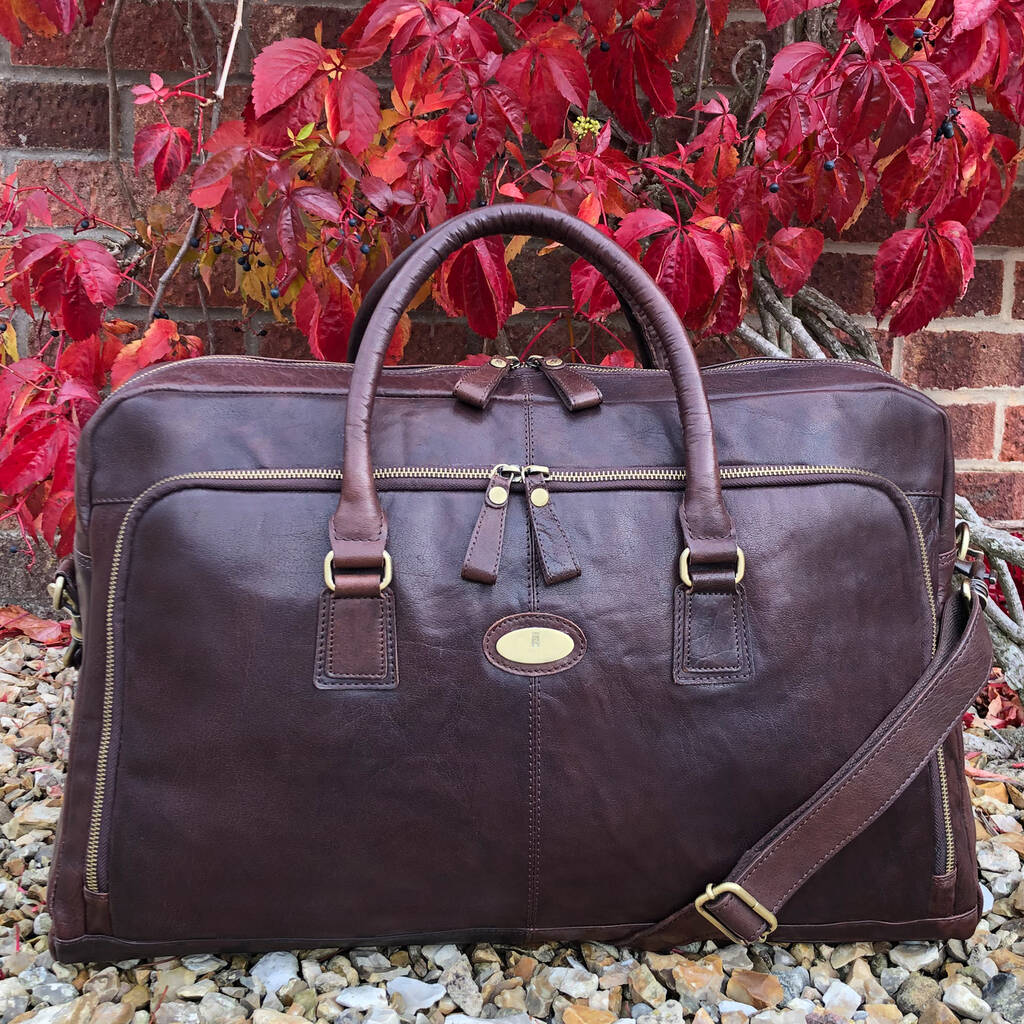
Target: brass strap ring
[387, 572]
[684, 567]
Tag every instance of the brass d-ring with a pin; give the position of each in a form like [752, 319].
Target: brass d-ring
[684, 567]
[385, 579]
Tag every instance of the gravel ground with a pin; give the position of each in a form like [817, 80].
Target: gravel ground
[981, 979]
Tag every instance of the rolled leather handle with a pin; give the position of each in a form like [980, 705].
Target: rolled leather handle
[650, 356]
[358, 529]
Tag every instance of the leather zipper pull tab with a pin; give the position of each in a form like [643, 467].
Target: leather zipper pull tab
[576, 391]
[477, 387]
[557, 561]
[484, 553]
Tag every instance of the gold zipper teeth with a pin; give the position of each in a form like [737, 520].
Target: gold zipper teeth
[947, 818]
[442, 473]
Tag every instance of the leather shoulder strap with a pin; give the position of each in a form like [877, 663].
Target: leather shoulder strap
[744, 906]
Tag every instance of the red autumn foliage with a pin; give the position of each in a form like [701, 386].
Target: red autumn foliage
[323, 181]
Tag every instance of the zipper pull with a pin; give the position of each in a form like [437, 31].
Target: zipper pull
[576, 391]
[484, 553]
[557, 561]
[477, 387]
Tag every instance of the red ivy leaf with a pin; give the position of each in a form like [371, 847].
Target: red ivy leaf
[168, 148]
[325, 316]
[623, 357]
[353, 106]
[778, 11]
[282, 69]
[920, 272]
[476, 282]
[549, 73]
[718, 10]
[791, 256]
[160, 344]
[31, 459]
[61, 13]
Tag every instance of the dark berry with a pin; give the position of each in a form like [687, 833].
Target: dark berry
[217, 250]
[829, 165]
[947, 129]
[605, 46]
[194, 242]
[3, 327]
[262, 334]
[275, 293]
[304, 175]
[237, 329]
[472, 117]
[413, 237]
[556, 17]
[245, 248]
[918, 46]
[247, 266]
[13, 549]
[361, 210]
[365, 248]
[919, 33]
[83, 223]
[241, 260]
[773, 187]
[352, 222]
[54, 334]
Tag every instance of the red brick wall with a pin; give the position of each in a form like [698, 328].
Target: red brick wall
[53, 128]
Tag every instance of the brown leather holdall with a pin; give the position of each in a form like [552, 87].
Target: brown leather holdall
[574, 666]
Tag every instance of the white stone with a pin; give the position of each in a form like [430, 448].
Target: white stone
[362, 997]
[965, 1003]
[574, 982]
[381, 1015]
[840, 998]
[916, 956]
[442, 956]
[275, 970]
[202, 963]
[411, 994]
[733, 1006]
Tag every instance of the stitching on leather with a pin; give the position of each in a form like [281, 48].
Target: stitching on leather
[389, 681]
[691, 601]
[685, 676]
[911, 714]
[480, 519]
[548, 514]
[381, 650]
[508, 623]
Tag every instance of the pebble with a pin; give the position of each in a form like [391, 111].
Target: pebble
[362, 997]
[411, 994]
[916, 956]
[965, 1002]
[275, 970]
[577, 983]
[916, 993]
[841, 999]
[457, 979]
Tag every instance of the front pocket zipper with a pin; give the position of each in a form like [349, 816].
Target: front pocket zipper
[94, 844]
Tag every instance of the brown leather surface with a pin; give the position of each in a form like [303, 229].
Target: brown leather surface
[454, 806]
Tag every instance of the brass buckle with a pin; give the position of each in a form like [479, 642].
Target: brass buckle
[714, 891]
[385, 578]
[684, 567]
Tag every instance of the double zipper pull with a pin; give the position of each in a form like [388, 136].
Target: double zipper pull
[484, 553]
[576, 391]
[477, 387]
[557, 561]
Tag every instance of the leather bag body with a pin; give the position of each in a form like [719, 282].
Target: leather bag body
[547, 724]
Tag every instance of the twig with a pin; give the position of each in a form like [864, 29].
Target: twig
[236, 27]
[821, 331]
[1014, 607]
[768, 326]
[114, 109]
[992, 541]
[211, 338]
[703, 49]
[758, 341]
[811, 298]
[766, 294]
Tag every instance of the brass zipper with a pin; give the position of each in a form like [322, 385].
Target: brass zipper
[92, 849]
[947, 818]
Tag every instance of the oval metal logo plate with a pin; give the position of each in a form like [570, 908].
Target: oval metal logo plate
[534, 643]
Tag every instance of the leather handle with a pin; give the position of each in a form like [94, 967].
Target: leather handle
[358, 530]
[650, 355]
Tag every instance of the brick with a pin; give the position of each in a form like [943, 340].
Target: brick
[984, 294]
[873, 225]
[1013, 434]
[1018, 291]
[973, 427]
[1007, 227]
[544, 280]
[149, 37]
[959, 359]
[283, 341]
[441, 340]
[998, 496]
[48, 114]
[228, 337]
[270, 22]
[95, 186]
[847, 278]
